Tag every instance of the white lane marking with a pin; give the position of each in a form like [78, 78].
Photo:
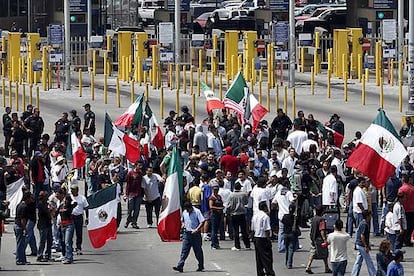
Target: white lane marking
[42, 273]
[217, 266]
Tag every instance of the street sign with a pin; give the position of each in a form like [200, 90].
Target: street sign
[261, 46]
[389, 53]
[55, 57]
[389, 29]
[279, 4]
[78, 6]
[281, 32]
[282, 55]
[167, 56]
[55, 34]
[166, 32]
[366, 44]
[385, 4]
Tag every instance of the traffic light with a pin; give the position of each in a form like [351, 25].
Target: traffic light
[77, 18]
[384, 15]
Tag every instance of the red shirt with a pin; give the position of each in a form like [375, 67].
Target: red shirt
[408, 191]
[133, 184]
[230, 163]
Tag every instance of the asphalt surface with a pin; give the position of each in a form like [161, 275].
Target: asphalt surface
[140, 252]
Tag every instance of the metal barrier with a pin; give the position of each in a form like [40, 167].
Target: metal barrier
[79, 52]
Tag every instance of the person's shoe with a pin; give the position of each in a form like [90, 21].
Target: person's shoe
[22, 263]
[149, 226]
[289, 267]
[54, 250]
[60, 259]
[309, 271]
[235, 249]
[33, 254]
[177, 268]
[44, 260]
[66, 262]
[248, 248]
[126, 225]
[39, 259]
[79, 252]
[135, 226]
[328, 270]
[200, 269]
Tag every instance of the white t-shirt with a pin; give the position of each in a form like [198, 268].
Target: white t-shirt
[389, 223]
[359, 196]
[306, 145]
[260, 224]
[329, 186]
[399, 214]
[283, 198]
[258, 195]
[296, 138]
[338, 242]
[82, 205]
[289, 164]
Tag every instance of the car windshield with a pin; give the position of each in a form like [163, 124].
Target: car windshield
[318, 12]
[325, 14]
[204, 16]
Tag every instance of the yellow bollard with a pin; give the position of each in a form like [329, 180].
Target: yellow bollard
[177, 101]
[253, 76]
[170, 71]
[268, 97]
[260, 92]
[366, 74]
[184, 80]
[31, 94]
[20, 70]
[92, 86]
[378, 60]
[80, 82]
[381, 93]
[313, 80]
[37, 97]
[285, 99]
[206, 76]
[221, 86]
[162, 102]
[302, 60]
[44, 68]
[213, 82]
[363, 90]
[23, 96]
[3, 91]
[239, 63]
[94, 62]
[193, 97]
[400, 71]
[10, 94]
[329, 85]
[233, 67]
[330, 60]
[16, 96]
[49, 74]
[277, 97]
[147, 92]
[345, 86]
[344, 65]
[191, 80]
[400, 95]
[105, 63]
[118, 94]
[146, 76]
[132, 91]
[177, 77]
[198, 82]
[138, 72]
[105, 89]
[359, 67]
[293, 102]
[227, 81]
[200, 58]
[392, 72]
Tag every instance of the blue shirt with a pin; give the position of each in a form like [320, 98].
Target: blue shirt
[363, 229]
[192, 220]
[395, 269]
[206, 190]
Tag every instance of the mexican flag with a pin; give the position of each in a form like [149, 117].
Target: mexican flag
[338, 137]
[133, 115]
[254, 110]
[120, 143]
[235, 96]
[212, 101]
[14, 195]
[78, 154]
[153, 128]
[170, 218]
[379, 151]
[102, 216]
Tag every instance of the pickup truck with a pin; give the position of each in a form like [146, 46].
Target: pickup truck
[147, 9]
[224, 19]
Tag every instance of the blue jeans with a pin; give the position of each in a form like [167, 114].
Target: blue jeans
[375, 222]
[20, 244]
[78, 224]
[280, 238]
[339, 268]
[393, 240]
[134, 205]
[194, 241]
[67, 232]
[215, 228]
[290, 241]
[45, 242]
[55, 236]
[383, 214]
[350, 220]
[358, 218]
[30, 238]
[361, 256]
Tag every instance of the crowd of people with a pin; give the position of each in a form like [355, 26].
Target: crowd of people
[262, 185]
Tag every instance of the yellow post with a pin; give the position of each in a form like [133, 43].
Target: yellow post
[268, 97]
[31, 93]
[392, 72]
[191, 80]
[16, 96]
[49, 73]
[3, 91]
[146, 76]
[231, 39]
[10, 94]
[170, 71]
[233, 67]
[366, 74]
[23, 96]
[132, 91]
[80, 82]
[154, 66]
[344, 65]
[205, 76]
[221, 86]
[400, 94]
[352, 65]
[44, 68]
[177, 101]
[200, 58]
[253, 72]
[346, 86]
[108, 48]
[268, 60]
[37, 97]
[329, 85]
[363, 91]
[294, 102]
[94, 62]
[213, 81]
[184, 80]
[313, 80]
[118, 93]
[92, 86]
[330, 60]
[302, 59]
[193, 97]
[285, 99]
[378, 60]
[162, 102]
[124, 51]
[177, 77]
[147, 92]
[381, 93]
[400, 71]
[105, 63]
[105, 89]
[239, 62]
[198, 82]
[139, 71]
[260, 92]
[359, 67]
[317, 46]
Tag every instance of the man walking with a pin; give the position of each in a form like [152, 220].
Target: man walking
[77, 213]
[261, 228]
[363, 246]
[191, 222]
[151, 183]
[89, 119]
[339, 257]
[133, 194]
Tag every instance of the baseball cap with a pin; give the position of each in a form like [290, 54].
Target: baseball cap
[38, 153]
[74, 187]
[87, 105]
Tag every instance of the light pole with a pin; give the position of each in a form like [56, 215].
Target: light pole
[177, 20]
[292, 44]
[411, 59]
[67, 43]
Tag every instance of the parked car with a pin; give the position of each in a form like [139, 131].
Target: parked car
[329, 20]
[315, 13]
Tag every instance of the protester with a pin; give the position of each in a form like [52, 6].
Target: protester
[338, 249]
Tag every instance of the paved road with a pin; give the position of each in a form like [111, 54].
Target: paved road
[140, 252]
